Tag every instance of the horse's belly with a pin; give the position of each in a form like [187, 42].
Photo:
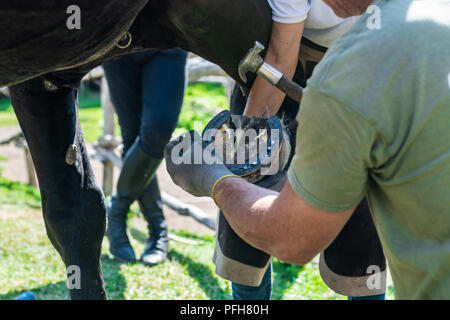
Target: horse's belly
[36, 38]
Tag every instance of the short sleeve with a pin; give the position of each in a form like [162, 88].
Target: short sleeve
[289, 11]
[332, 158]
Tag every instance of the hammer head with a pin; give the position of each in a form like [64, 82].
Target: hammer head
[251, 62]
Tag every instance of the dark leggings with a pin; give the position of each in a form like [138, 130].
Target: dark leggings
[147, 93]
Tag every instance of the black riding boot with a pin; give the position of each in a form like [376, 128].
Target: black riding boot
[158, 243]
[137, 170]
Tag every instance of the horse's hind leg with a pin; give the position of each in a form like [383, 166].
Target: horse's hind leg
[73, 205]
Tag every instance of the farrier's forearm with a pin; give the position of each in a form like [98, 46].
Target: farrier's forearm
[282, 54]
[247, 209]
[281, 224]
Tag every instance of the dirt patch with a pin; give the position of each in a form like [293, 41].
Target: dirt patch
[14, 168]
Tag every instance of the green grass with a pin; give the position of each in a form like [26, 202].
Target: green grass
[90, 118]
[29, 262]
[202, 101]
[18, 195]
[5, 104]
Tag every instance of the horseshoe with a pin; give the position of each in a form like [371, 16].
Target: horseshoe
[274, 144]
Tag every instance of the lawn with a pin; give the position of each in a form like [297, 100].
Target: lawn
[29, 262]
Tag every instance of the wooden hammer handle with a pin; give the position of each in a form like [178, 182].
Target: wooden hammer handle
[292, 89]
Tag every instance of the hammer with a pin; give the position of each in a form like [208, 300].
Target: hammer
[252, 62]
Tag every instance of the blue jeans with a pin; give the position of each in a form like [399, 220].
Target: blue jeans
[263, 292]
[147, 91]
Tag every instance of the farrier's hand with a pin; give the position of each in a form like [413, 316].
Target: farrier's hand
[189, 168]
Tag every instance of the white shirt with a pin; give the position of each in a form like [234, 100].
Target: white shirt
[322, 26]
